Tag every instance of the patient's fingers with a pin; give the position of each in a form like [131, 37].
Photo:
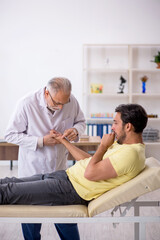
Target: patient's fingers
[48, 140]
[52, 131]
[108, 139]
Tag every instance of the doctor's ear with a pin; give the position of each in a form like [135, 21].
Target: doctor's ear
[46, 92]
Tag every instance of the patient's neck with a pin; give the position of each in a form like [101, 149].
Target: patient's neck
[133, 138]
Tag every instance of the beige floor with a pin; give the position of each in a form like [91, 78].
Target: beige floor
[87, 231]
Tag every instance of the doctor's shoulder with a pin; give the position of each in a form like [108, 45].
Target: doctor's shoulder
[27, 100]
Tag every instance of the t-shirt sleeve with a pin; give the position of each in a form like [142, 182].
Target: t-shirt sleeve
[124, 161]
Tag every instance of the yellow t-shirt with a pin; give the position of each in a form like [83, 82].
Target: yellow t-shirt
[127, 159]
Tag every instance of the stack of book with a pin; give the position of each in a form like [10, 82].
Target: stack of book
[84, 138]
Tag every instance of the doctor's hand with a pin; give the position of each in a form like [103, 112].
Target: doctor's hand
[71, 134]
[49, 140]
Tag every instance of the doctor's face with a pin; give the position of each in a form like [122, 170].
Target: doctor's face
[56, 101]
[119, 129]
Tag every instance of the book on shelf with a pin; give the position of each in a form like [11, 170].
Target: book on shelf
[96, 129]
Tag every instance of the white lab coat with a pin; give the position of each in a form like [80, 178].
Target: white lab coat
[32, 120]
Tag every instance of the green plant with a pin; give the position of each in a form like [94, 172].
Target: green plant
[157, 58]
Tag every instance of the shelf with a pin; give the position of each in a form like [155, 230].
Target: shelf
[155, 95]
[105, 70]
[152, 143]
[154, 119]
[145, 70]
[100, 120]
[105, 64]
[104, 95]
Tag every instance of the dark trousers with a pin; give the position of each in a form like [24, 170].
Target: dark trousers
[65, 231]
[48, 189]
[42, 189]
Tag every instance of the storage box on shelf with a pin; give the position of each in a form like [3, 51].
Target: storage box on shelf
[105, 65]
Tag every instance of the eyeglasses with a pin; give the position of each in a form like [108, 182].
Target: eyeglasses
[55, 103]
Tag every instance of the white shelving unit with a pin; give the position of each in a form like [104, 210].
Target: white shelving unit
[105, 64]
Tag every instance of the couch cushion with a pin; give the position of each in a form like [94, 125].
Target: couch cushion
[43, 211]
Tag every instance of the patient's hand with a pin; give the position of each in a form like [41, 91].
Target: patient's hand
[48, 140]
[108, 140]
[56, 135]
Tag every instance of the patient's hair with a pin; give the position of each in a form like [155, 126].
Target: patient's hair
[59, 84]
[134, 114]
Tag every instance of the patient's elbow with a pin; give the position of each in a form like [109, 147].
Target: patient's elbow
[88, 175]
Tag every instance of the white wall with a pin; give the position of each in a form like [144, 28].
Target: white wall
[40, 39]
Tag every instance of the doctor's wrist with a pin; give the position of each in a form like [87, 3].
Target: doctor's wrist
[40, 142]
[75, 131]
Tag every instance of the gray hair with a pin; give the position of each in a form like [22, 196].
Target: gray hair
[59, 84]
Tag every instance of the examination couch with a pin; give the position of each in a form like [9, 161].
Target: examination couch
[122, 197]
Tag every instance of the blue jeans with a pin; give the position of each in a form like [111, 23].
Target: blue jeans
[66, 231]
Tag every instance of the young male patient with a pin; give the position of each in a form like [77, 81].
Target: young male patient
[113, 164]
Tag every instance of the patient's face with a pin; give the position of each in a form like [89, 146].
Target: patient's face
[119, 129]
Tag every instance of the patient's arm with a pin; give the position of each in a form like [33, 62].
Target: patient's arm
[76, 152]
[98, 168]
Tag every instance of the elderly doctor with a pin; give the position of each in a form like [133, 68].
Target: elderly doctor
[52, 108]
